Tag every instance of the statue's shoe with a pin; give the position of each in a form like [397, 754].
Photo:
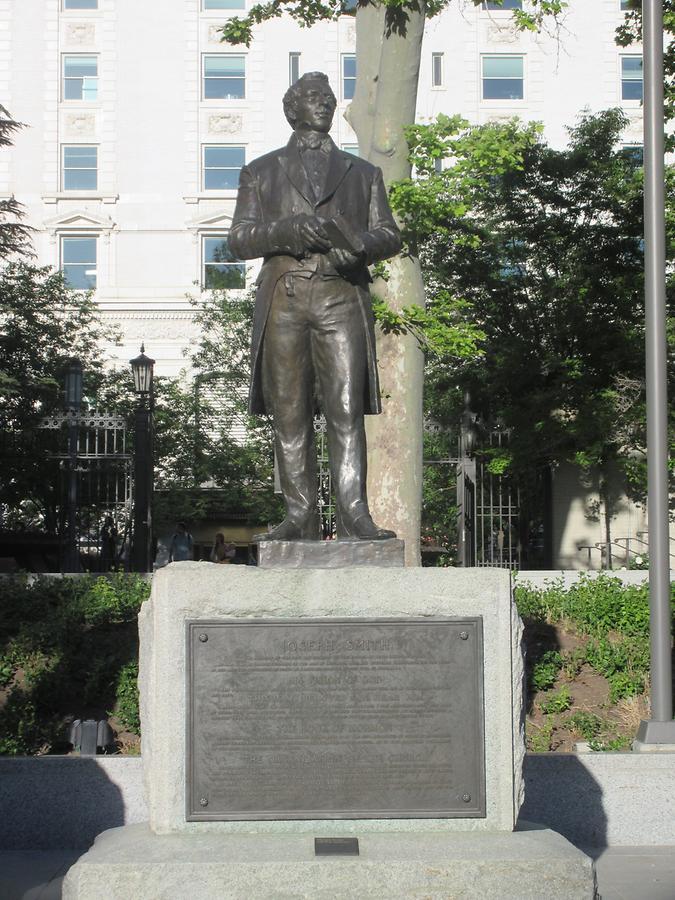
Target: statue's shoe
[363, 529]
[288, 530]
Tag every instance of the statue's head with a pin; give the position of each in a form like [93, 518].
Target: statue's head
[310, 103]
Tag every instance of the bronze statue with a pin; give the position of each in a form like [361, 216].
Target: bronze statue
[319, 217]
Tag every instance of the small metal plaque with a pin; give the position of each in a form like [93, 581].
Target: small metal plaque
[336, 846]
[335, 718]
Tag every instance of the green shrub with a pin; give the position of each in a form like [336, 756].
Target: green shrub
[558, 702]
[22, 730]
[71, 639]
[616, 618]
[545, 670]
[540, 739]
[623, 662]
[126, 706]
[595, 605]
[586, 724]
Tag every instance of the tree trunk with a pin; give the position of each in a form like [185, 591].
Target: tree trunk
[384, 103]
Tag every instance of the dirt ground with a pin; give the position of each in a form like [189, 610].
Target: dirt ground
[589, 693]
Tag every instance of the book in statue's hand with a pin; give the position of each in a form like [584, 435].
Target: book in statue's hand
[341, 235]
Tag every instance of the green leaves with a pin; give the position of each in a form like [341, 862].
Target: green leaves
[443, 328]
[630, 33]
[544, 247]
[435, 201]
[239, 30]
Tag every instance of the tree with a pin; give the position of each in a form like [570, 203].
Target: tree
[211, 459]
[43, 325]
[630, 32]
[240, 457]
[14, 235]
[546, 247]
[388, 47]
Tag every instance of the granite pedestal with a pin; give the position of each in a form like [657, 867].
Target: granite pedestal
[131, 863]
[400, 857]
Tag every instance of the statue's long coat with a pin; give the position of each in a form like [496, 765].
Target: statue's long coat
[272, 191]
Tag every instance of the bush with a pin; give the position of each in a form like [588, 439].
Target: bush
[67, 648]
[558, 702]
[613, 615]
[586, 724]
[126, 706]
[545, 670]
[595, 605]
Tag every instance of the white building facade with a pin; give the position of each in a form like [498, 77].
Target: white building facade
[139, 119]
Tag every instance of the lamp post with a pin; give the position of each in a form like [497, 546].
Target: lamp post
[142, 368]
[660, 729]
[73, 402]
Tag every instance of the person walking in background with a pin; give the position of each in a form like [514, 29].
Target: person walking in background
[222, 552]
[181, 544]
[108, 545]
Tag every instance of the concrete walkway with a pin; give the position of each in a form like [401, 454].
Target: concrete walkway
[624, 873]
[635, 873]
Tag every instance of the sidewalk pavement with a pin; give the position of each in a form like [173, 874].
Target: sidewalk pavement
[624, 873]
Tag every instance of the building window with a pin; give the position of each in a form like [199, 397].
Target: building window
[502, 78]
[348, 75]
[80, 4]
[224, 77]
[349, 7]
[436, 69]
[351, 148]
[222, 165]
[631, 78]
[507, 4]
[80, 168]
[625, 5]
[293, 67]
[80, 77]
[221, 269]
[223, 4]
[78, 262]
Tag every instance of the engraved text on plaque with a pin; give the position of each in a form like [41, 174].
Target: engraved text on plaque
[335, 718]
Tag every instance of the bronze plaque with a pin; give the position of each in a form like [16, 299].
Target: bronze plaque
[335, 718]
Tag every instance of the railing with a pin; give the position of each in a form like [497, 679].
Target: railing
[631, 548]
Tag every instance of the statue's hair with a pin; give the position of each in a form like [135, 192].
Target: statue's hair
[292, 94]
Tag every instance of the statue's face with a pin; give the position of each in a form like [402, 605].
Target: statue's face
[314, 107]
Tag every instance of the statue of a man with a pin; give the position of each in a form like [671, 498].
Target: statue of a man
[319, 217]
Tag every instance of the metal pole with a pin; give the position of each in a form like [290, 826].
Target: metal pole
[660, 729]
[143, 478]
[72, 555]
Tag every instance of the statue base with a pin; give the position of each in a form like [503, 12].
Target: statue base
[330, 554]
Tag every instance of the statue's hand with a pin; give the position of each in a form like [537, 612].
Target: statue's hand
[313, 236]
[343, 260]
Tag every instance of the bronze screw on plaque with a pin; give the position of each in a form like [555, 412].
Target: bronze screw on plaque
[464, 635]
[203, 638]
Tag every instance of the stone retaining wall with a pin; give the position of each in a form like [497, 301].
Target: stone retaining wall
[593, 799]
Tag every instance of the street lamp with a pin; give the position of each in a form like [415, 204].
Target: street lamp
[73, 384]
[142, 368]
[73, 402]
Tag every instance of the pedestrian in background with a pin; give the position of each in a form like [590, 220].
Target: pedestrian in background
[181, 544]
